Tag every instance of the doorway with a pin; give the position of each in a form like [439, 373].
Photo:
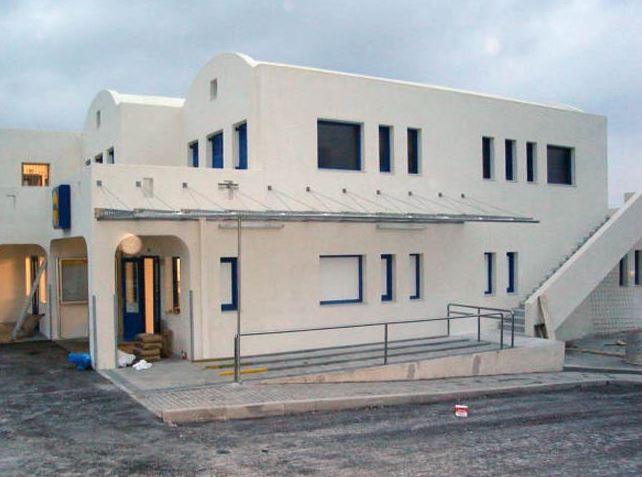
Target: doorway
[140, 294]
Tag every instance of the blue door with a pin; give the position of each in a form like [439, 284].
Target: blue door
[133, 291]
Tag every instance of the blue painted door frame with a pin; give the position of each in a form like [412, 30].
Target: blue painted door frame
[133, 295]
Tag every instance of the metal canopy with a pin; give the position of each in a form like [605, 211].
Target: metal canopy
[305, 216]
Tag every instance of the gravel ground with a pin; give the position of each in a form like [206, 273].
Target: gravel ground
[59, 421]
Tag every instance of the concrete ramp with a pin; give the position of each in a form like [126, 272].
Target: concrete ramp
[530, 355]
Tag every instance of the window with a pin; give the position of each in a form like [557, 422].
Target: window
[638, 267]
[216, 150]
[487, 157]
[387, 264]
[240, 161]
[509, 148]
[98, 119]
[192, 154]
[213, 89]
[111, 158]
[531, 162]
[624, 271]
[341, 279]
[511, 259]
[338, 145]
[176, 284]
[413, 151]
[559, 161]
[98, 159]
[489, 262]
[35, 174]
[73, 280]
[385, 149]
[415, 275]
[229, 284]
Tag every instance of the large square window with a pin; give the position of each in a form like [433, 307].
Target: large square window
[35, 174]
[341, 279]
[559, 161]
[339, 145]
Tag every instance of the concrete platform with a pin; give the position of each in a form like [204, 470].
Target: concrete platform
[530, 355]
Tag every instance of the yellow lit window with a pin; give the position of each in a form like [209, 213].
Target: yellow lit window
[35, 175]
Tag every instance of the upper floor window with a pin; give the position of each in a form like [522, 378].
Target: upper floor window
[487, 157]
[216, 150]
[213, 89]
[35, 174]
[531, 162]
[111, 157]
[415, 275]
[509, 148]
[559, 162]
[240, 161]
[413, 151]
[98, 159]
[98, 118]
[385, 149]
[338, 145]
[192, 154]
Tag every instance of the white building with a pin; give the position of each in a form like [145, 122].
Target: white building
[362, 200]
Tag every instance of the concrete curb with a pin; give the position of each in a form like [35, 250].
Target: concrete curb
[281, 408]
[578, 368]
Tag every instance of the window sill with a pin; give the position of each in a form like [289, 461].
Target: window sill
[341, 302]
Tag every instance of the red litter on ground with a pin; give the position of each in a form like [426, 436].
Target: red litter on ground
[461, 410]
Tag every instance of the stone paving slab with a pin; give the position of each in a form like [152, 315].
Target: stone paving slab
[254, 400]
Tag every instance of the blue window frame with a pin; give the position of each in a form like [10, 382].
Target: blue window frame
[413, 151]
[358, 298]
[489, 259]
[234, 292]
[531, 151]
[338, 145]
[216, 145]
[638, 264]
[511, 258]
[509, 148]
[415, 268]
[241, 131]
[624, 269]
[387, 262]
[193, 154]
[385, 148]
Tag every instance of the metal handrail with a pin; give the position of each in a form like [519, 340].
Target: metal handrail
[493, 313]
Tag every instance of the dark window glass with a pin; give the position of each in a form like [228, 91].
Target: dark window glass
[624, 265]
[487, 157]
[111, 157]
[530, 161]
[216, 144]
[509, 146]
[385, 152]
[387, 265]
[193, 150]
[638, 264]
[99, 159]
[339, 145]
[241, 130]
[176, 284]
[511, 259]
[559, 161]
[489, 258]
[415, 263]
[413, 151]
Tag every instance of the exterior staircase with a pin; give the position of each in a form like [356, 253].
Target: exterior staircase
[520, 321]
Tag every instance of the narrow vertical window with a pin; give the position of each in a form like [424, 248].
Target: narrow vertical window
[509, 148]
[415, 275]
[413, 151]
[111, 157]
[531, 162]
[98, 119]
[487, 157]
[241, 147]
[385, 149]
[229, 284]
[489, 263]
[176, 284]
[216, 148]
[192, 154]
[624, 271]
[387, 262]
[638, 266]
[213, 89]
[511, 261]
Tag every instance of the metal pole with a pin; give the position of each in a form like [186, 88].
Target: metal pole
[448, 320]
[501, 331]
[385, 344]
[237, 341]
[478, 324]
[191, 324]
[512, 329]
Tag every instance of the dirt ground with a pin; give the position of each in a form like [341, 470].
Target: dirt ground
[59, 421]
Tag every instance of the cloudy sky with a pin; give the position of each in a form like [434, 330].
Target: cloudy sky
[55, 55]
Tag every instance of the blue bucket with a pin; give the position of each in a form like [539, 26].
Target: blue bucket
[81, 360]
